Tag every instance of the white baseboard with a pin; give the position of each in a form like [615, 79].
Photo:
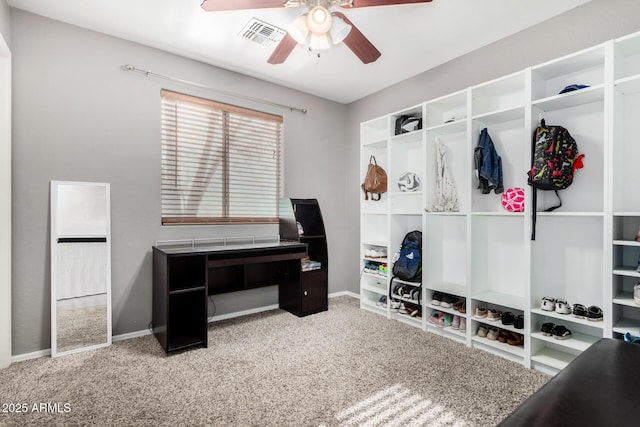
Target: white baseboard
[243, 313]
[144, 332]
[130, 335]
[344, 293]
[29, 356]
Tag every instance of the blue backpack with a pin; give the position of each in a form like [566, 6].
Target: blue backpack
[408, 267]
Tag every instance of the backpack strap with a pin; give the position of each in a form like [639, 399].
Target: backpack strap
[534, 199]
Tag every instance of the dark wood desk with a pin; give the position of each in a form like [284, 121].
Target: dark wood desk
[183, 279]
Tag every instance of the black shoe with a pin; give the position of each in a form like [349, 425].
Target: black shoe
[507, 318]
[547, 328]
[560, 332]
[518, 321]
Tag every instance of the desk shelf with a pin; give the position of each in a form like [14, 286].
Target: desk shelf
[301, 220]
[183, 278]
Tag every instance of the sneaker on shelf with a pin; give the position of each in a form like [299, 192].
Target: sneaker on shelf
[460, 305]
[548, 304]
[518, 321]
[436, 298]
[482, 331]
[403, 309]
[562, 306]
[455, 323]
[394, 306]
[636, 293]
[630, 338]
[480, 313]
[507, 318]
[441, 323]
[447, 319]
[463, 323]
[382, 301]
[493, 315]
[434, 317]
[493, 333]
[448, 301]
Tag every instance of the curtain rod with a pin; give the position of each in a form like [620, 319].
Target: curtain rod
[148, 73]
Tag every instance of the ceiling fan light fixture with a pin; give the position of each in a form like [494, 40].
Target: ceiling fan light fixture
[319, 20]
[339, 31]
[298, 29]
[319, 41]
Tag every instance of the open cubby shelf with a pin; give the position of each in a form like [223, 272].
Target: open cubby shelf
[585, 251]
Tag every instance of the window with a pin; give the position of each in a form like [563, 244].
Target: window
[220, 163]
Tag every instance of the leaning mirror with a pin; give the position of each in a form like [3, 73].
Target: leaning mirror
[80, 267]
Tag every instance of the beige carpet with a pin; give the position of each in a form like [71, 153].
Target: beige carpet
[337, 368]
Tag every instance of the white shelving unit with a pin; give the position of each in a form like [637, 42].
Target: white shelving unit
[585, 251]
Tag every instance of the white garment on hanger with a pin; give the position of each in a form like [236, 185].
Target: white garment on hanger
[446, 191]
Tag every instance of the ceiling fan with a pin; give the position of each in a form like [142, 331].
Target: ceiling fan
[319, 27]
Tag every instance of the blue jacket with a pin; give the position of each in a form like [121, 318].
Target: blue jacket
[488, 165]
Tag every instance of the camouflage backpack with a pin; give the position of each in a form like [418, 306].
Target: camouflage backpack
[554, 160]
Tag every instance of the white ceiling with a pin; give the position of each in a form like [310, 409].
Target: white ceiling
[412, 38]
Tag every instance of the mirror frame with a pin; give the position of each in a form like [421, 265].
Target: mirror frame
[55, 235]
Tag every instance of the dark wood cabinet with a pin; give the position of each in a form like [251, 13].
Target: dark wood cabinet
[301, 220]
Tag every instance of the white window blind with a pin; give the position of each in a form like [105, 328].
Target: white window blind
[220, 163]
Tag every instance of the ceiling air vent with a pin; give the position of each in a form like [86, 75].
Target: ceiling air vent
[262, 33]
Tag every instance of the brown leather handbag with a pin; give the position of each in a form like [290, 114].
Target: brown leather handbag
[375, 182]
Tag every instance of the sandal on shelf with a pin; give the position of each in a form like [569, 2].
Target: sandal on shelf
[579, 311]
[560, 332]
[503, 335]
[547, 328]
[594, 314]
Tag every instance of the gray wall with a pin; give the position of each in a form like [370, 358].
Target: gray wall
[590, 24]
[78, 116]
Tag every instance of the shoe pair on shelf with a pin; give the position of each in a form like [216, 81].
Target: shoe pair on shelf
[442, 320]
[408, 291]
[494, 333]
[447, 301]
[517, 320]
[592, 313]
[558, 332]
[382, 302]
[487, 314]
[560, 306]
[376, 253]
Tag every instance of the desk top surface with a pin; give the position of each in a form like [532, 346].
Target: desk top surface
[252, 247]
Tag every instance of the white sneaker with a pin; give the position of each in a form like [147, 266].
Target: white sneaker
[562, 307]
[395, 305]
[548, 304]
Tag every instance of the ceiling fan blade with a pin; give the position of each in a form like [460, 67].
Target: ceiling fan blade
[358, 43]
[282, 51]
[220, 5]
[369, 3]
